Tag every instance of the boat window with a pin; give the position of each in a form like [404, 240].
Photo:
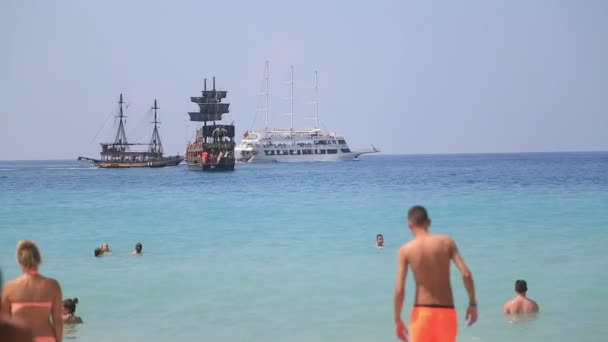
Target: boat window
[332, 151]
[343, 142]
[320, 152]
[306, 151]
[282, 152]
[295, 152]
[269, 152]
[320, 142]
[346, 150]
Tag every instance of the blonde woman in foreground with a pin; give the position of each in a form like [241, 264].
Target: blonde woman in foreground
[11, 329]
[34, 298]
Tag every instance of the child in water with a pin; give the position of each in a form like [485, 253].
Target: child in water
[69, 309]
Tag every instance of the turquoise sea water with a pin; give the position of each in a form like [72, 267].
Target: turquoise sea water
[285, 252]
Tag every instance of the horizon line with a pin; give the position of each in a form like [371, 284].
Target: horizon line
[394, 154]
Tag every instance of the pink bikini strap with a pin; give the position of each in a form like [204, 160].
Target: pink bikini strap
[31, 271]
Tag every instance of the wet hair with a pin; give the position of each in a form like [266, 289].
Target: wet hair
[521, 286]
[139, 246]
[418, 216]
[379, 235]
[70, 304]
[97, 252]
[28, 254]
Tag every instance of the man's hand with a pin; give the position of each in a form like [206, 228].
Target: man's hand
[401, 331]
[471, 315]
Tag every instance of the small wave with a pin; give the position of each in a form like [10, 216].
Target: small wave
[7, 169]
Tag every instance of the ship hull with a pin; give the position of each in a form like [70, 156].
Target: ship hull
[259, 156]
[169, 161]
[306, 158]
[295, 146]
[210, 168]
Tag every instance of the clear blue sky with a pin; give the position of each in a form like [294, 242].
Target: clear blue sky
[409, 77]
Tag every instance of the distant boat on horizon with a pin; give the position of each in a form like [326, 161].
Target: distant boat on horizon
[213, 146]
[119, 153]
[294, 145]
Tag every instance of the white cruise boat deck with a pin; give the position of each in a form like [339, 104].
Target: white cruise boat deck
[302, 145]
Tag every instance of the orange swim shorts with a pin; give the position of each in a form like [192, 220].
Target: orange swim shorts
[433, 324]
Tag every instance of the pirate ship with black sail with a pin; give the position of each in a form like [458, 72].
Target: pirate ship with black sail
[213, 146]
[122, 154]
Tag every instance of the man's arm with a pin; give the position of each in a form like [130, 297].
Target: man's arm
[400, 286]
[467, 278]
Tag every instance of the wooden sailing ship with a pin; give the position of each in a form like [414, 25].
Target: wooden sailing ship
[122, 154]
[213, 147]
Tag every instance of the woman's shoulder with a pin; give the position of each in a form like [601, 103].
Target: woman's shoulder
[51, 283]
[51, 280]
[8, 287]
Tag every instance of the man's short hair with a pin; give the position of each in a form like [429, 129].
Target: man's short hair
[418, 215]
[521, 286]
[379, 235]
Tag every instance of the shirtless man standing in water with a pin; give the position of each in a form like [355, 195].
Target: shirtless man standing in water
[433, 317]
[520, 304]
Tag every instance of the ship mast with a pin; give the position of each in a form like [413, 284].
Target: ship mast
[267, 109]
[291, 97]
[156, 145]
[121, 136]
[316, 100]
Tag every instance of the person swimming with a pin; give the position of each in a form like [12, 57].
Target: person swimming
[105, 248]
[33, 298]
[520, 304]
[138, 249]
[433, 317]
[379, 241]
[69, 309]
[98, 252]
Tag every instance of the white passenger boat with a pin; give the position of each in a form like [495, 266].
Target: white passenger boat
[294, 145]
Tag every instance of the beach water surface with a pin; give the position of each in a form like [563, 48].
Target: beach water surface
[285, 252]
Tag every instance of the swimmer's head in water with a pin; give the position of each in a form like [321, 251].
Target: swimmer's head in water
[105, 247]
[28, 254]
[379, 240]
[138, 247]
[417, 217]
[521, 286]
[69, 306]
[97, 252]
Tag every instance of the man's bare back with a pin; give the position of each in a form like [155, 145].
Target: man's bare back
[520, 304]
[430, 256]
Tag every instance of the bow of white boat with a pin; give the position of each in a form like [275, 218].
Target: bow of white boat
[357, 153]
